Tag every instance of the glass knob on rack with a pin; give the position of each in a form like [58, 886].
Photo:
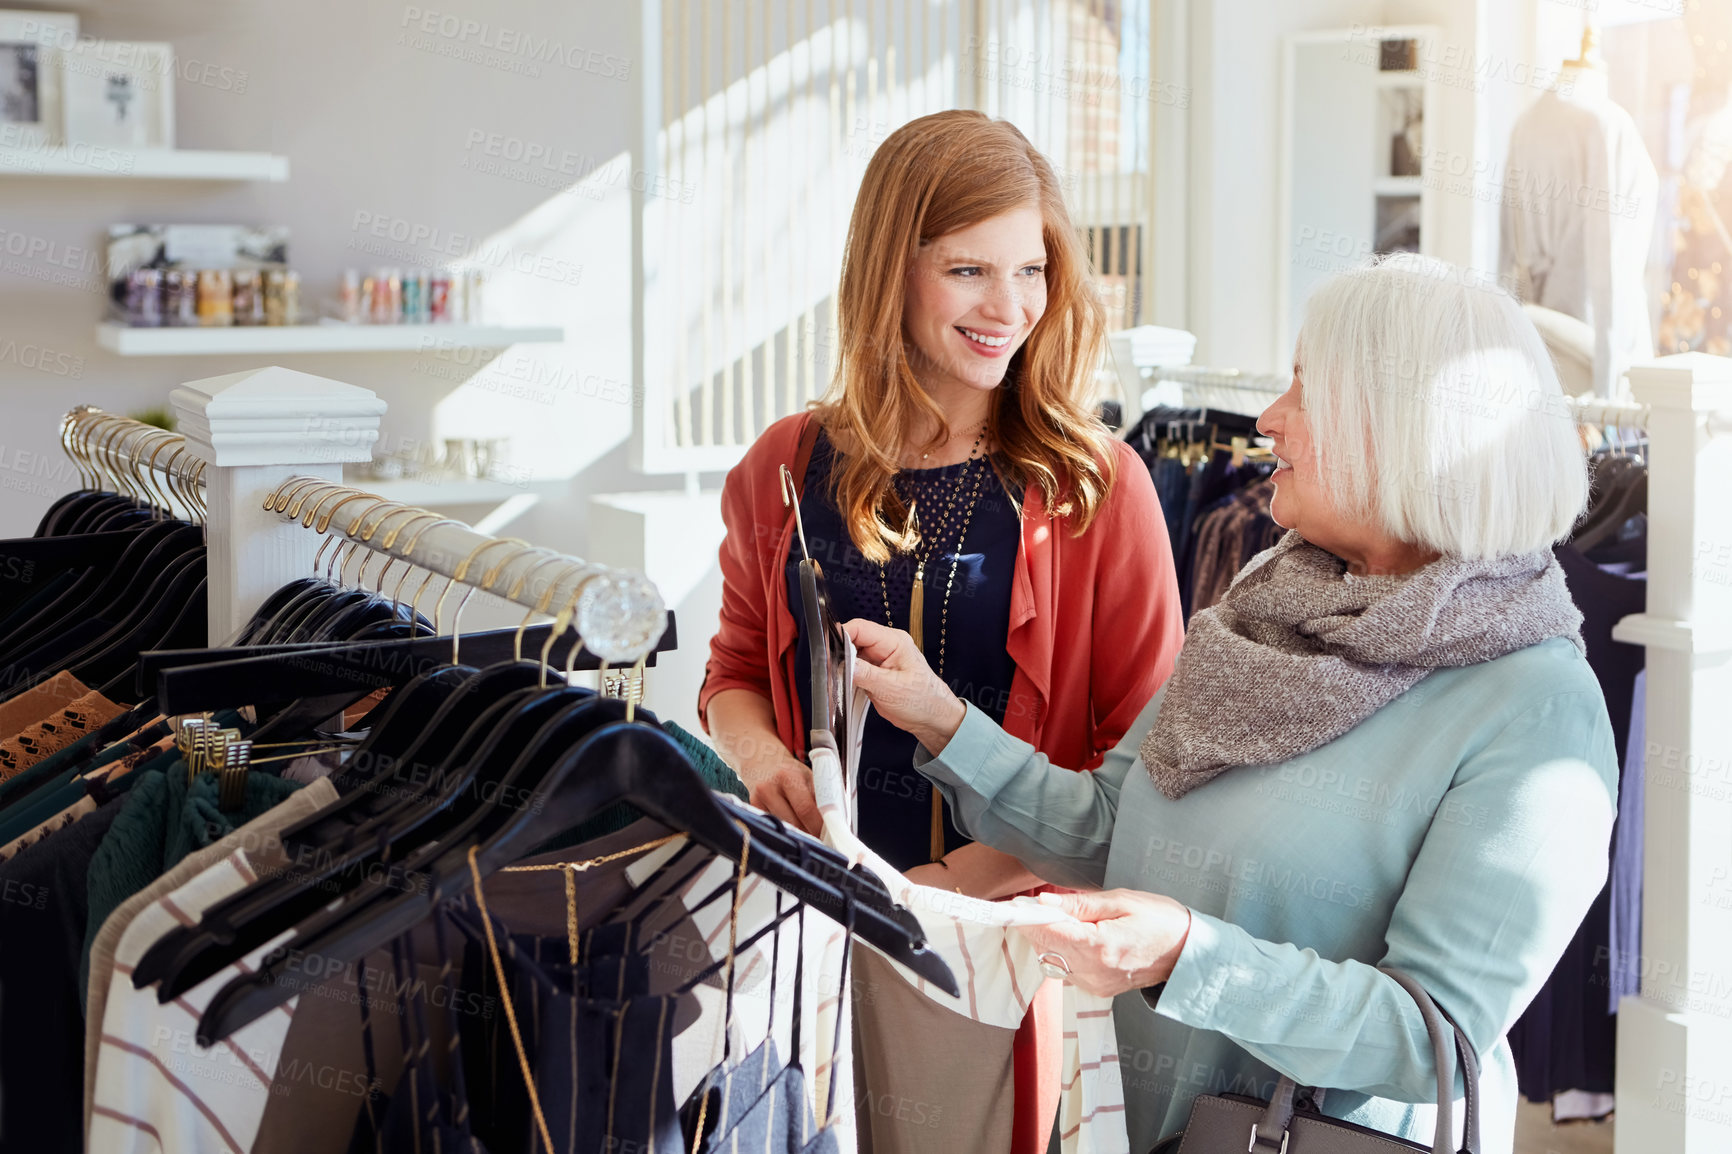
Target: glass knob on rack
[620, 616]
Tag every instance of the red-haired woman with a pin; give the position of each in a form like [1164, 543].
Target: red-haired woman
[953, 469]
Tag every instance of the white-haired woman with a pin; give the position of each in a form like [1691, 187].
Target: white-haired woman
[1384, 747]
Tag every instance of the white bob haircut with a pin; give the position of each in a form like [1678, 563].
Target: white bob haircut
[1435, 410]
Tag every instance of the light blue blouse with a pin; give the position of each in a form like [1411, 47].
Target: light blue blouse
[1460, 833]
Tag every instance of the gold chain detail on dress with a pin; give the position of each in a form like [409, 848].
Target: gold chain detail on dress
[572, 869]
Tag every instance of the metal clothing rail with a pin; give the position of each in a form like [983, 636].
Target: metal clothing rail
[151, 464]
[1629, 415]
[1204, 377]
[1226, 389]
[1610, 414]
[618, 612]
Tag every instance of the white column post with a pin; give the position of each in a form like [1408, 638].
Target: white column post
[1674, 1070]
[256, 429]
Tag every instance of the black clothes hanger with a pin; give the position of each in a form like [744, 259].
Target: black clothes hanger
[273, 604]
[1617, 492]
[399, 720]
[826, 643]
[67, 552]
[828, 651]
[108, 591]
[434, 711]
[200, 680]
[622, 761]
[46, 526]
[89, 512]
[194, 681]
[366, 882]
[190, 623]
[90, 556]
[336, 851]
[96, 649]
[144, 625]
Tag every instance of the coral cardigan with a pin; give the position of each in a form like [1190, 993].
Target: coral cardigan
[1094, 620]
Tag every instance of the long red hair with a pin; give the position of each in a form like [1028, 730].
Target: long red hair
[929, 178]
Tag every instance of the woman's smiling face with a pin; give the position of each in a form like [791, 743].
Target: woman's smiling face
[973, 297]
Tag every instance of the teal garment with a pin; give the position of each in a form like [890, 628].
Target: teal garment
[1460, 833]
[56, 795]
[162, 822]
[54, 770]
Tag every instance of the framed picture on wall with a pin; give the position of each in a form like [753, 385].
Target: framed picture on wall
[119, 93]
[31, 44]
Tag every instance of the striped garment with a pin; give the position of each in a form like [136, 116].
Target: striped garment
[825, 1033]
[999, 972]
[156, 1089]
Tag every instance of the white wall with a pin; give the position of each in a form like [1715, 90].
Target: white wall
[1235, 149]
[377, 116]
[1487, 73]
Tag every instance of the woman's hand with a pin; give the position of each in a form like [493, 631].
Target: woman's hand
[782, 787]
[902, 686]
[743, 726]
[1130, 940]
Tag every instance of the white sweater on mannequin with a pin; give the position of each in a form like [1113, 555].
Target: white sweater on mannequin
[1578, 215]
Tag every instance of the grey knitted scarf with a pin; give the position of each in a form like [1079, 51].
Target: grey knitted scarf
[1299, 651]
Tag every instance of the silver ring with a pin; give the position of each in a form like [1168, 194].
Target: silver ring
[1054, 966]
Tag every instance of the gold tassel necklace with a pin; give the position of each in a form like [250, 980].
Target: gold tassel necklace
[917, 595]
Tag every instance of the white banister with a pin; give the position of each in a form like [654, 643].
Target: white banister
[1674, 1069]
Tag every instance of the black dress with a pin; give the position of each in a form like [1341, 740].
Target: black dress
[895, 802]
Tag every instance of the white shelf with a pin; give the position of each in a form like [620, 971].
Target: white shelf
[430, 493]
[1399, 185]
[1409, 79]
[321, 338]
[99, 162]
[504, 501]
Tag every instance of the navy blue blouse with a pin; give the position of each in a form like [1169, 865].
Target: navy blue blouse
[895, 801]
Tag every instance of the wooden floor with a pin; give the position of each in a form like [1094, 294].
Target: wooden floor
[1535, 1133]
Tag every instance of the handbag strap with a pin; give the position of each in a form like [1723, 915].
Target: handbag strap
[1435, 1019]
[1270, 1134]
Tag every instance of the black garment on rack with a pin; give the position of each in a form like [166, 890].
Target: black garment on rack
[1190, 490]
[42, 924]
[1566, 1039]
[895, 801]
[598, 1034]
[1215, 482]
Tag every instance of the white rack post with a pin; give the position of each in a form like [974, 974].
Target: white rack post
[258, 428]
[1674, 1067]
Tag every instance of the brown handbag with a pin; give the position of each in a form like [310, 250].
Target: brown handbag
[1293, 1122]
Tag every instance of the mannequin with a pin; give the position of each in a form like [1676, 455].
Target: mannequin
[1578, 211]
[1586, 76]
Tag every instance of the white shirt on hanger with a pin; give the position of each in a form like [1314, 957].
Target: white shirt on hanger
[1578, 214]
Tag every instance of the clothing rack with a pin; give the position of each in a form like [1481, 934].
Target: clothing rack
[1629, 415]
[619, 613]
[1228, 389]
[1609, 414]
[248, 438]
[146, 461]
[267, 449]
[245, 427]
